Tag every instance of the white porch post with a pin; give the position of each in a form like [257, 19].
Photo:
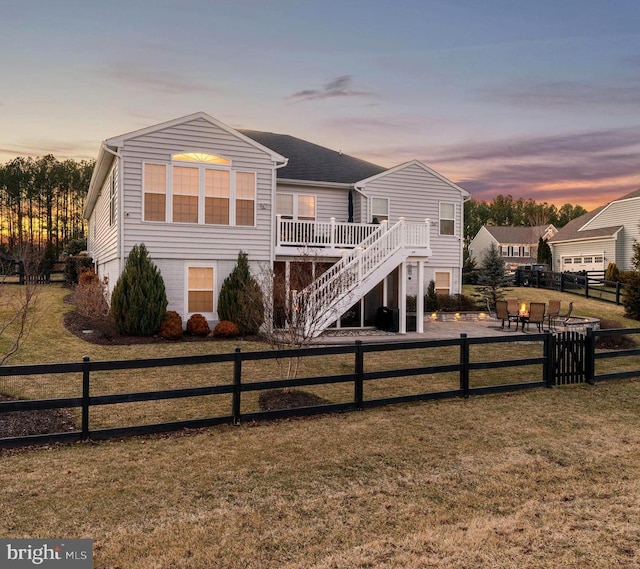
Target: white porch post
[332, 242]
[420, 299]
[402, 301]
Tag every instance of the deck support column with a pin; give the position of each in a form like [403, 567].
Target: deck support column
[402, 300]
[420, 299]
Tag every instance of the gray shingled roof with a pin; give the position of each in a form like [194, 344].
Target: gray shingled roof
[308, 161]
[571, 230]
[520, 235]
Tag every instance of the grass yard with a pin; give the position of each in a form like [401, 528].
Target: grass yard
[544, 478]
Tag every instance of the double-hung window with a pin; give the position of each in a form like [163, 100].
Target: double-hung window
[217, 192]
[200, 286]
[443, 282]
[155, 192]
[296, 206]
[186, 187]
[245, 198]
[379, 209]
[447, 218]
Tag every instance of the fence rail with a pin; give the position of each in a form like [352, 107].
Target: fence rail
[553, 369]
[590, 284]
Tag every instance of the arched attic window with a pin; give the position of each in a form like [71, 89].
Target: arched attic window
[202, 158]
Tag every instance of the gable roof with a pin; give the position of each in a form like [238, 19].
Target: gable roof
[526, 235]
[363, 183]
[573, 231]
[109, 150]
[311, 162]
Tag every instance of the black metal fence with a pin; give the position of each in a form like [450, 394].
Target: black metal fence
[590, 284]
[560, 359]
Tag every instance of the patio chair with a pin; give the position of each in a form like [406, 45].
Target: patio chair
[502, 313]
[513, 306]
[553, 312]
[564, 317]
[536, 314]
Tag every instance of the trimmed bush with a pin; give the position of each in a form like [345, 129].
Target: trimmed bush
[226, 329]
[139, 299]
[631, 295]
[617, 342]
[87, 275]
[73, 267]
[198, 325]
[612, 273]
[240, 299]
[171, 326]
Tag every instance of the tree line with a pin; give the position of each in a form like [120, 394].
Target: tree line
[505, 210]
[41, 202]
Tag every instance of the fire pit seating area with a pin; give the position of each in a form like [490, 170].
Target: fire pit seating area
[539, 313]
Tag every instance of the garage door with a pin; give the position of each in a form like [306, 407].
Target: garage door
[583, 263]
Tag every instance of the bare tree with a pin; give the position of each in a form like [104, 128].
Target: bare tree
[291, 321]
[17, 305]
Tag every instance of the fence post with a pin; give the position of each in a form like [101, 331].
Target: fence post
[617, 293]
[561, 282]
[589, 357]
[586, 285]
[464, 363]
[86, 366]
[237, 384]
[548, 352]
[359, 379]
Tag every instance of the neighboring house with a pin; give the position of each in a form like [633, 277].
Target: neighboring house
[196, 192]
[605, 235]
[517, 245]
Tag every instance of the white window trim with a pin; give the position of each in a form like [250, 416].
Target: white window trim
[202, 167]
[167, 205]
[207, 265]
[440, 219]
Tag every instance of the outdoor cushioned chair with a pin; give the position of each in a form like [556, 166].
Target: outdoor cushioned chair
[553, 311]
[502, 313]
[536, 314]
[513, 306]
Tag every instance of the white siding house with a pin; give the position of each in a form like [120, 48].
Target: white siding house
[196, 192]
[605, 235]
[517, 245]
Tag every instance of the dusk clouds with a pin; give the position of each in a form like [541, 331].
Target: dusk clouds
[342, 86]
[534, 99]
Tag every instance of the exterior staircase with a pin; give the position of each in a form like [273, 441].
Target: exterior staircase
[337, 289]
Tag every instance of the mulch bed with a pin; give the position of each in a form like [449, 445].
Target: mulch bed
[279, 399]
[34, 422]
[103, 332]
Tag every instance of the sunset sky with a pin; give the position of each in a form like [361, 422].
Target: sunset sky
[536, 99]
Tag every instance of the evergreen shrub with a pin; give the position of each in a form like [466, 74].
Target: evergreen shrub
[139, 299]
[240, 300]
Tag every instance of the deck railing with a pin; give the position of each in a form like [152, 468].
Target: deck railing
[325, 234]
